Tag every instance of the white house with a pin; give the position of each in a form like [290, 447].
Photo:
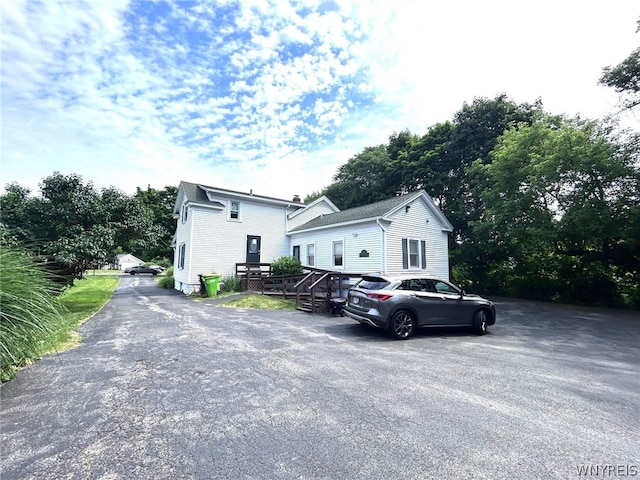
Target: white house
[127, 260]
[218, 228]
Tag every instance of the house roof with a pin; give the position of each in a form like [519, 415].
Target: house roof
[197, 194]
[374, 211]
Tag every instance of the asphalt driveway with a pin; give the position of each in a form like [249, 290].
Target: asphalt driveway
[166, 387]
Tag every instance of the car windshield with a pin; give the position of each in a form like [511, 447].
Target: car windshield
[372, 283]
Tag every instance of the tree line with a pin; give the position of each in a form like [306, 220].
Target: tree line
[543, 206]
[72, 226]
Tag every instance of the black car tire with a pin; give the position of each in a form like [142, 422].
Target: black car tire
[480, 323]
[154, 273]
[402, 325]
[132, 273]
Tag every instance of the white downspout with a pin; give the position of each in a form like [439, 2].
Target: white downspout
[383, 268]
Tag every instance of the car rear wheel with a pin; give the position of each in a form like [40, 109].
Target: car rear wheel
[402, 325]
[480, 323]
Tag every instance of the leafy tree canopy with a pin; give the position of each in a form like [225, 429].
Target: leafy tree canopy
[76, 226]
[559, 197]
[625, 78]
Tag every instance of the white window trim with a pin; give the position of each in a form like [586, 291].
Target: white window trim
[184, 214]
[333, 256]
[315, 254]
[421, 255]
[229, 218]
[416, 241]
[182, 255]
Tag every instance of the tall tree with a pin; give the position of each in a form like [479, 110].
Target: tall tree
[625, 78]
[74, 225]
[363, 179]
[559, 197]
[428, 165]
[160, 205]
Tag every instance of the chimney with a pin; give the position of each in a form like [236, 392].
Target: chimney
[296, 199]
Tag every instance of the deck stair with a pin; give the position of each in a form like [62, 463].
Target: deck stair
[312, 290]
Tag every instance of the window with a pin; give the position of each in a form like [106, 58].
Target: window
[442, 287]
[185, 212]
[337, 254]
[181, 254]
[416, 285]
[234, 210]
[296, 252]
[253, 245]
[311, 255]
[414, 254]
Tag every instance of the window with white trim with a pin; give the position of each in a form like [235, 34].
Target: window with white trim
[185, 212]
[234, 210]
[337, 253]
[311, 254]
[181, 254]
[414, 254]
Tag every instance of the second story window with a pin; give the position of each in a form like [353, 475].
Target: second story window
[234, 210]
[185, 213]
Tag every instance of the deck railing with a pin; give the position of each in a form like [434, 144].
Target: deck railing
[251, 274]
[312, 290]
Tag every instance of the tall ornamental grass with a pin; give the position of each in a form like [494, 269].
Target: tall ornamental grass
[28, 309]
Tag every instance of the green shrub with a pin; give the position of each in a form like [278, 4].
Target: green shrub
[166, 281]
[29, 310]
[232, 284]
[286, 266]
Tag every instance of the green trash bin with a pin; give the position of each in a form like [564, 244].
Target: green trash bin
[211, 283]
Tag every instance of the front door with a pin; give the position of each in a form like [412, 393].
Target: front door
[253, 249]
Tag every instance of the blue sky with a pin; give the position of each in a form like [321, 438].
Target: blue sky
[275, 95]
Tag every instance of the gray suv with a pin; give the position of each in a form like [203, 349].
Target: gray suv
[402, 304]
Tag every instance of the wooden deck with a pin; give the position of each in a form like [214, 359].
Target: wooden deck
[312, 290]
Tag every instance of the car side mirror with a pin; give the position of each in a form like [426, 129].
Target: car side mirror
[462, 293]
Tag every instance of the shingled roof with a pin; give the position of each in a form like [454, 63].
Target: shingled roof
[370, 211]
[197, 194]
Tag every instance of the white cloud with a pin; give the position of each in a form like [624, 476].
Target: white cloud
[251, 94]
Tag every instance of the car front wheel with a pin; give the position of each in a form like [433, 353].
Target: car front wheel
[402, 325]
[132, 273]
[480, 322]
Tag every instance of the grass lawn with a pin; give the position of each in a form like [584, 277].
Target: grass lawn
[81, 301]
[91, 273]
[59, 332]
[261, 302]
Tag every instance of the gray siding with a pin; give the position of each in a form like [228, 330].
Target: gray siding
[367, 237]
[413, 224]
